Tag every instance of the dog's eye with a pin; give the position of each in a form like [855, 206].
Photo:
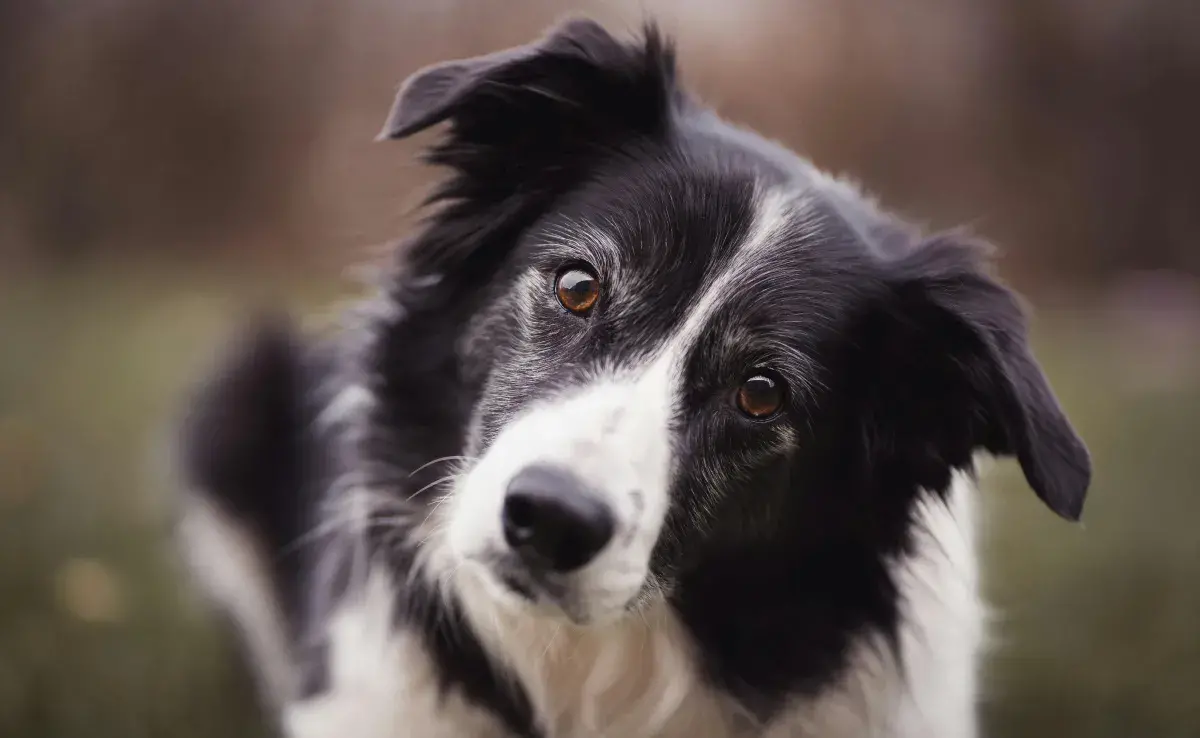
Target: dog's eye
[761, 394]
[578, 288]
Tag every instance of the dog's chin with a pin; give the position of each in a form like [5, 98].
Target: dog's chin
[515, 591]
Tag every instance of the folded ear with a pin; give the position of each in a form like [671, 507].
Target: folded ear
[526, 125]
[576, 66]
[966, 334]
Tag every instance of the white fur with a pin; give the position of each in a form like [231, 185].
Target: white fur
[382, 683]
[347, 404]
[232, 570]
[635, 676]
[638, 677]
[624, 446]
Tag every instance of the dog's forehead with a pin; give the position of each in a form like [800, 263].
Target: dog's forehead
[665, 235]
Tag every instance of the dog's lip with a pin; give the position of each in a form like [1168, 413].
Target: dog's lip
[517, 585]
[530, 584]
[536, 590]
[512, 577]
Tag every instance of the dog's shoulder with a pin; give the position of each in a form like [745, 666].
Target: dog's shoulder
[382, 675]
[250, 466]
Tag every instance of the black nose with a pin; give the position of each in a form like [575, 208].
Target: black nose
[553, 520]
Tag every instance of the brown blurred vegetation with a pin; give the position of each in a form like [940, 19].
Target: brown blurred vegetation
[1063, 128]
[162, 161]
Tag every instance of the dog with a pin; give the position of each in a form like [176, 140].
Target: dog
[651, 429]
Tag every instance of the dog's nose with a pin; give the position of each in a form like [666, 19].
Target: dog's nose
[553, 520]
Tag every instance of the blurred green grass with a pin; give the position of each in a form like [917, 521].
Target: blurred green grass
[1097, 626]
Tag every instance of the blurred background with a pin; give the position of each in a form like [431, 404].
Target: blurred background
[164, 166]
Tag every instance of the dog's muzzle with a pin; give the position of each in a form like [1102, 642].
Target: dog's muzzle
[566, 515]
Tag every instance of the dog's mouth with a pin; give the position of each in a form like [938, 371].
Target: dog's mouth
[518, 586]
[545, 592]
[538, 589]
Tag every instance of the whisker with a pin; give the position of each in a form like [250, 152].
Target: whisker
[550, 641]
[337, 515]
[428, 464]
[434, 483]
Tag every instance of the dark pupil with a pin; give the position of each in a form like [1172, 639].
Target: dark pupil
[578, 286]
[760, 393]
[761, 386]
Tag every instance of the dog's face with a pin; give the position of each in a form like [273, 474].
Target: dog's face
[642, 368]
[684, 351]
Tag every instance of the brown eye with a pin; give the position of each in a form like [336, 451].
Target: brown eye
[761, 395]
[578, 289]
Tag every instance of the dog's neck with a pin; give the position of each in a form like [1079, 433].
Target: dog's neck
[636, 675]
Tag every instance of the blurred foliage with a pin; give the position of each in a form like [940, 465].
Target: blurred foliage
[80, 403]
[1097, 626]
[1063, 128]
[102, 636]
[131, 123]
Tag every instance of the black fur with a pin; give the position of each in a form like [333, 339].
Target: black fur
[916, 359]
[245, 438]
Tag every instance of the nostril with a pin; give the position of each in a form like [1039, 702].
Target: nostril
[520, 515]
[553, 520]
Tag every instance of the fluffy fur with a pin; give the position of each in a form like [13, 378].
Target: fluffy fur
[811, 573]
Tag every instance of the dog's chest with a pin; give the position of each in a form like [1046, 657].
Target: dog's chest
[633, 679]
[637, 677]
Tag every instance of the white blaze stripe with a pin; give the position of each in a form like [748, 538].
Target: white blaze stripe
[773, 210]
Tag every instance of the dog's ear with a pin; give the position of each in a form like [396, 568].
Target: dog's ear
[966, 378]
[573, 67]
[525, 126]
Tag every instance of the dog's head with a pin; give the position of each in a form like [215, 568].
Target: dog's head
[678, 349]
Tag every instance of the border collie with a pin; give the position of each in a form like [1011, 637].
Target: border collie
[652, 429]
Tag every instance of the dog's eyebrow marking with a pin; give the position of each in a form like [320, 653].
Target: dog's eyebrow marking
[575, 239]
[773, 215]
